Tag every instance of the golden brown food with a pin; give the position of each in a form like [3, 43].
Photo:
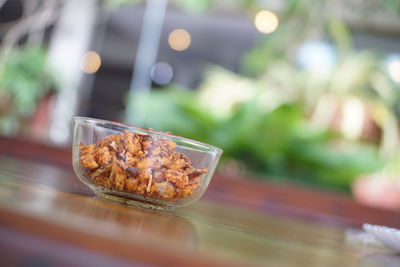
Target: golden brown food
[140, 164]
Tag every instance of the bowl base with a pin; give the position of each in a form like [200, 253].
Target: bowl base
[133, 202]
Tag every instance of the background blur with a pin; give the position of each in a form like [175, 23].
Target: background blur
[298, 91]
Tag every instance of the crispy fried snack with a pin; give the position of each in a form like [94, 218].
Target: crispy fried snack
[140, 164]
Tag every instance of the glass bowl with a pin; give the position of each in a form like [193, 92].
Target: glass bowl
[141, 167]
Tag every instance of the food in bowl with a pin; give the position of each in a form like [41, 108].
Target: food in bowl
[137, 163]
[139, 166]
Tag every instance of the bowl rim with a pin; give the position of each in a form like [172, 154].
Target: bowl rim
[146, 130]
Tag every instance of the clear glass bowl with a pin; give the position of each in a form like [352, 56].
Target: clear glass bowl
[141, 167]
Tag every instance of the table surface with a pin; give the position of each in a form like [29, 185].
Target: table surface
[47, 217]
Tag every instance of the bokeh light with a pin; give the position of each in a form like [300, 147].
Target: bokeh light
[394, 70]
[161, 73]
[266, 21]
[179, 39]
[91, 62]
[316, 56]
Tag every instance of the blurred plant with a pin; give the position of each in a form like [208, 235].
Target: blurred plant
[115, 4]
[194, 6]
[23, 78]
[277, 140]
[22, 84]
[281, 118]
[325, 85]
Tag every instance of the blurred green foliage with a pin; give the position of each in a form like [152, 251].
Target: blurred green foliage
[263, 117]
[278, 143]
[23, 81]
[115, 4]
[198, 7]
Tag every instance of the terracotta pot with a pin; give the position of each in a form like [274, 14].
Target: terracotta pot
[378, 190]
[351, 116]
[38, 125]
